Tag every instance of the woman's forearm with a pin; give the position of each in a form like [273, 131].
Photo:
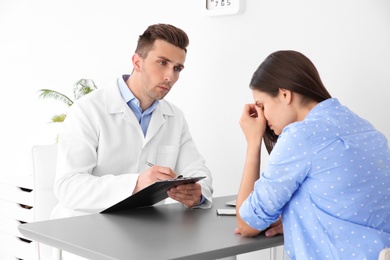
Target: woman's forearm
[250, 175]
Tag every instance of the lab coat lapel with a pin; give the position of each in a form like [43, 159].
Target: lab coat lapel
[115, 104]
[158, 119]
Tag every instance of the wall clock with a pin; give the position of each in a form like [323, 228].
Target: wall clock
[222, 7]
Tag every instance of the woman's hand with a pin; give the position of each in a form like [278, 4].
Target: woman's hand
[253, 123]
[275, 228]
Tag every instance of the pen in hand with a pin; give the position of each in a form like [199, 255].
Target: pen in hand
[151, 165]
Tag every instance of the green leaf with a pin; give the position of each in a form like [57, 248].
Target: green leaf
[83, 87]
[80, 88]
[58, 118]
[52, 94]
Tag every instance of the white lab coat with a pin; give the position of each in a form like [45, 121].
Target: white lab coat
[102, 150]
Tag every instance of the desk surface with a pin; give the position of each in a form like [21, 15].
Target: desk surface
[163, 232]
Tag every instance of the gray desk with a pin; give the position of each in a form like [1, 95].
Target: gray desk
[162, 232]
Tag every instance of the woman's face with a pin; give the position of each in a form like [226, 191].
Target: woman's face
[278, 111]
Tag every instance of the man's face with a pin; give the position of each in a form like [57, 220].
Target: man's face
[160, 69]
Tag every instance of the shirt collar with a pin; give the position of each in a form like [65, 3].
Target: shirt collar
[128, 96]
[330, 102]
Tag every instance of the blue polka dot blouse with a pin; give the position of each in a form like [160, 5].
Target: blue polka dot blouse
[329, 178]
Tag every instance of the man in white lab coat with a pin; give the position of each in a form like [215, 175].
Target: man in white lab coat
[109, 134]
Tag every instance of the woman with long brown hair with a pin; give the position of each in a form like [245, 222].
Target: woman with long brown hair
[328, 173]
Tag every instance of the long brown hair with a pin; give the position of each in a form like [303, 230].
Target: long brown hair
[289, 70]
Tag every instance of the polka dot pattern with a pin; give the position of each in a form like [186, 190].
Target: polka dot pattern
[329, 178]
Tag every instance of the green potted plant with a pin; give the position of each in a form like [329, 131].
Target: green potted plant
[80, 88]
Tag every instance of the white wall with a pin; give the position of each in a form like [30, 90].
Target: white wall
[52, 44]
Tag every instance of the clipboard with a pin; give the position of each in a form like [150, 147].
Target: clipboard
[152, 194]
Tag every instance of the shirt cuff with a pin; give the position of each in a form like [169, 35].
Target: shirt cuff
[202, 199]
[248, 214]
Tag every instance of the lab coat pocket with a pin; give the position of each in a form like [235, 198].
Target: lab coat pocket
[167, 156]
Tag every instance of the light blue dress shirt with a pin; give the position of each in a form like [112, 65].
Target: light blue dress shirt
[329, 177]
[134, 104]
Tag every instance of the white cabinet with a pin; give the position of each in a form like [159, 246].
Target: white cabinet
[16, 207]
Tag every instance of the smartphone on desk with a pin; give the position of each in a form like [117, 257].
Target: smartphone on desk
[226, 212]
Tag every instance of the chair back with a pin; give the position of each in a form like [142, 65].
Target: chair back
[44, 161]
[44, 166]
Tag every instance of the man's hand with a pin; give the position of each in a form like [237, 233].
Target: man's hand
[188, 194]
[153, 174]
